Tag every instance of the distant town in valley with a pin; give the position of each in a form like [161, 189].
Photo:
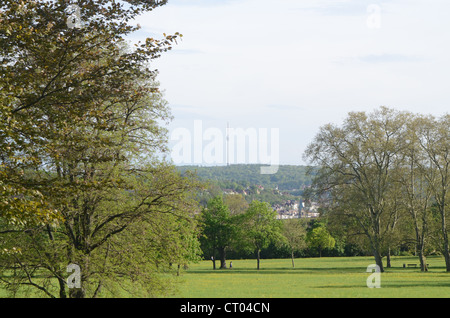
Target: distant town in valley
[283, 190]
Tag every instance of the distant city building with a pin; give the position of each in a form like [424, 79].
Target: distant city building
[309, 209]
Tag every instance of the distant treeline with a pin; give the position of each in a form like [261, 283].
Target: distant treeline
[241, 176]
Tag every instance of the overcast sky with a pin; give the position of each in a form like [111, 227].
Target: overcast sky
[296, 65]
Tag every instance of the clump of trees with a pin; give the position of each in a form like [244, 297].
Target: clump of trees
[319, 238]
[81, 124]
[230, 225]
[384, 175]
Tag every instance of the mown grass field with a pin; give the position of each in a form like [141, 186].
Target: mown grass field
[314, 277]
[337, 277]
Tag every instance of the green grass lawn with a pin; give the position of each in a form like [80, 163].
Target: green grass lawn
[314, 277]
[337, 277]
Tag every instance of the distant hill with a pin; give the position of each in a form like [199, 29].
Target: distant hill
[289, 178]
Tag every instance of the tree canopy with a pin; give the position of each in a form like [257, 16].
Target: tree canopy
[378, 166]
[81, 125]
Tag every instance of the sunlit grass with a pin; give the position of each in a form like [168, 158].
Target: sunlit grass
[337, 277]
[314, 277]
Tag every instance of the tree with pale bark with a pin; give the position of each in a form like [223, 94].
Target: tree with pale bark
[384, 169]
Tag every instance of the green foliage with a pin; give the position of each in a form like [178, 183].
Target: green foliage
[61, 88]
[219, 229]
[81, 120]
[261, 227]
[295, 232]
[242, 176]
[319, 238]
[378, 176]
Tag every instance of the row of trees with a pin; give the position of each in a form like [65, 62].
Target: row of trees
[230, 224]
[243, 176]
[384, 175]
[81, 127]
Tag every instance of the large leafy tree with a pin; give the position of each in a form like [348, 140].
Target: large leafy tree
[260, 228]
[219, 229]
[54, 77]
[357, 161]
[433, 136]
[417, 178]
[79, 133]
[385, 171]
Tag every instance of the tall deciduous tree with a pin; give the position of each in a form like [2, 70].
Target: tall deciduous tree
[219, 229]
[434, 139]
[261, 227]
[417, 178]
[80, 125]
[294, 230]
[356, 163]
[55, 76]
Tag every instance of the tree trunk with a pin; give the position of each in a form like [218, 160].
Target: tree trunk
[223, 258]
[292, 258]
[420, 247]
[388, 258]
[376, 245]
[258, 252]
[62, 288]
[445, 240]
[97, 290]
[378, 260]
[213, 261]
[447, 260]
[423, 260]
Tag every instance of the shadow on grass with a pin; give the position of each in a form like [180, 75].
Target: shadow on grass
[318, 270]
[409, 284]
[278, 270]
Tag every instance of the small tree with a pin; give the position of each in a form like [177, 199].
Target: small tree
[319, 238]
[294, 230]
[219, 229]
[262, 227]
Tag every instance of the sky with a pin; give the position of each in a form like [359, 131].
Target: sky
[296, 65]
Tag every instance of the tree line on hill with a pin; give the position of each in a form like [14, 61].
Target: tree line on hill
[243, 176]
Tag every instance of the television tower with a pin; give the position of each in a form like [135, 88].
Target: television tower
[228, 144]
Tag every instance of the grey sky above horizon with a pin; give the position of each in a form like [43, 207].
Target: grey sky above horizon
[297, 65]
